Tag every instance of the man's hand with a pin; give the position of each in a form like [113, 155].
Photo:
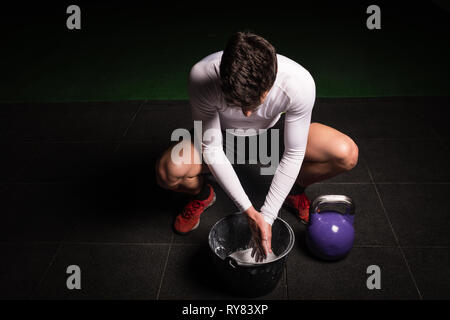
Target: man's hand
[261, 234]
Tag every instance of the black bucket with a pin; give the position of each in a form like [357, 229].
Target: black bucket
[232, 233]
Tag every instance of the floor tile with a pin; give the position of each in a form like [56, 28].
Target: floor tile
[375, 117]
[191, 274]
[127, 205]
[135, 161]
[437, 114]
[148, 124]
[407, 160]
[6, 199]
[431, 270]
[107, 272]
[14, 159]
[69, 121]
[38, 212]
[309, 278]
[5, 115]
[22, 267]
[3, 188]
[69, 162]
[124, 216]
[155, 104]
[418, 212]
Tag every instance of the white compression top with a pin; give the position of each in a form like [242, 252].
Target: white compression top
[293, 93]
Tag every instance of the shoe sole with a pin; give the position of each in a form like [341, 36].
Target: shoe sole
[293, 208]
[198, 223]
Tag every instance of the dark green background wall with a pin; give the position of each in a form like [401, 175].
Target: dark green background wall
[127, 51]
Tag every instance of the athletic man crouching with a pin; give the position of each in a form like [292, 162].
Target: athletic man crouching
[249, 86]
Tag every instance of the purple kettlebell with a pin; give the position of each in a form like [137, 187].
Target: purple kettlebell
[330, 232]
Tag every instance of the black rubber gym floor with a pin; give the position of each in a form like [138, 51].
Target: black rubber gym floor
[77, 188]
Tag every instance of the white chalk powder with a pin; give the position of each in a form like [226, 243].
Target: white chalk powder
[245, 256]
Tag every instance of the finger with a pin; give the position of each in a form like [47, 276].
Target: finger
[263, 255]
[269, 237]
[266, 248]
[256, 253]
[256, 257]
[269, 244]
[268, 241]
[259, 256]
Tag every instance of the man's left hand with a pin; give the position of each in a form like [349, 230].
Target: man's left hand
[261, 234]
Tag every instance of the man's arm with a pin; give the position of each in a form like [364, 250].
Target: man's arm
[296, 128]
[203, 109]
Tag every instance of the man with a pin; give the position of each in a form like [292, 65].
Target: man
[249, 86]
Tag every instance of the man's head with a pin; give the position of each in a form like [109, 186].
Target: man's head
[247, 70]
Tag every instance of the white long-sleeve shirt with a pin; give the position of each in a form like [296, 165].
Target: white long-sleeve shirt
[293, 93]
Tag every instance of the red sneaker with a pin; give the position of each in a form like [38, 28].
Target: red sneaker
[189, 219]
[300, 203]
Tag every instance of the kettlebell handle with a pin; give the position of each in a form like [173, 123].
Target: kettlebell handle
[334, 199]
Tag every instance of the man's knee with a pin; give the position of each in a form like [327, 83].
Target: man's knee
[170, 174]
[164, 176]
[347, 154]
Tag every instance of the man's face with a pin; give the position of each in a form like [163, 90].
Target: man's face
[248, 112]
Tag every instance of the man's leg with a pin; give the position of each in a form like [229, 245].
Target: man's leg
[186, 178]
[328, 153]
[180, 177]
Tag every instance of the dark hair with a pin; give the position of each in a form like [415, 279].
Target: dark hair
[248, 68]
